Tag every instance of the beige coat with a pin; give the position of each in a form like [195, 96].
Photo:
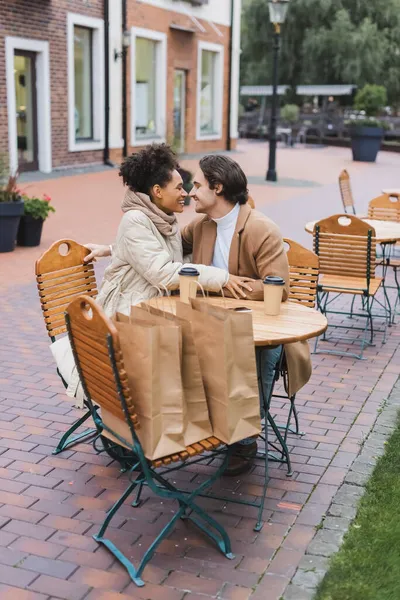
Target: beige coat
[147, 257]
[256, 251]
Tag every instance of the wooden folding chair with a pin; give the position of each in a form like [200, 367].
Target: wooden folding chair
[98, 356]
[346, 193]
[303, 281]
[61, 275]
[384, 208]
[346, 248]
[387, 208]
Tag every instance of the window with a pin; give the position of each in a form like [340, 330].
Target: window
[210, 91]
[148, 93]
[145, 97]
[85, 83]
[207, 93]
[83, 73]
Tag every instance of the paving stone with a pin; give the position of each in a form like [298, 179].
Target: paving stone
[349, 495]
[337, 524]
[322, 548]
[329, 536]
[307, 579]
[355, 478]
[293, 592]
[309, 562]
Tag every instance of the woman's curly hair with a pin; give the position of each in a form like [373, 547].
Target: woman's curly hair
[151, 166]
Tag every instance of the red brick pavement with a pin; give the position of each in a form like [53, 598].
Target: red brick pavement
[51, 505]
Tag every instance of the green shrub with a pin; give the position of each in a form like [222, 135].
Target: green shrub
[290, 113]
[371, 98]
[38, 208]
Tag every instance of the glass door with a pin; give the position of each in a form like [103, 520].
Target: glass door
[26, 108]
[179, 109]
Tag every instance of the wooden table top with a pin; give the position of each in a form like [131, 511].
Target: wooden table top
[386, 231]
[294, 323]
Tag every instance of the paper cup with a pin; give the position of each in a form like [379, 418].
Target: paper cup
[188, 277]
[273, 290]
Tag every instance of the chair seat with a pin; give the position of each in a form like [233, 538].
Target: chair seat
[194, 449]
[348, 285]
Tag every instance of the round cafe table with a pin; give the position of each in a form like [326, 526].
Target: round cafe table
[387, 232]
[293, 324]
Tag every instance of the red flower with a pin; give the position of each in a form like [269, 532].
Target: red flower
[46, 198]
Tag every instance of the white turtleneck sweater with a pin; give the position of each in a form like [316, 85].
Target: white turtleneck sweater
[225, 229]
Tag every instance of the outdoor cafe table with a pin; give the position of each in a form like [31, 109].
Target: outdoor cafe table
[293, 324]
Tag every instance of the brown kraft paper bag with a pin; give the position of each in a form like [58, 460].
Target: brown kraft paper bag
[225, 345]
[152, 360]
[197, 425]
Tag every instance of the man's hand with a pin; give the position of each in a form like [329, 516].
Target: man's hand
[236, 286]
[96, 251]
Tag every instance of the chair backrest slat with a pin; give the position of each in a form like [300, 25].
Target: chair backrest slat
[303, 274]
[104, 382]
[61, 277]
[385, 208]
[345, 192]
[346, 246]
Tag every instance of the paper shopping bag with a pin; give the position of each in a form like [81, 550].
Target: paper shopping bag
[152, 361]
[225, 345]
[197, 425]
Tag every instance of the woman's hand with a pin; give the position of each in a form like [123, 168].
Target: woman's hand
[97, 251]
[236, 286]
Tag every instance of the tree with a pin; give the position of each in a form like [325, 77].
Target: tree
[326, 42]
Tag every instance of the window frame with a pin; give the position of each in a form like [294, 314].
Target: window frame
[218, 50]
[97, 84]
[161, 85]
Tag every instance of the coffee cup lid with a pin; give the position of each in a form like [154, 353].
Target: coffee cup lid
[189, 272]
[274, 280]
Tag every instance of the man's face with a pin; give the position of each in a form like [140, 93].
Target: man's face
[204, 198]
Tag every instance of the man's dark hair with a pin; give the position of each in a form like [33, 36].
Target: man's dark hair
[151, 166]
[219, 169]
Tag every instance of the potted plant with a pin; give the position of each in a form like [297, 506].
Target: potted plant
[367, 131]
[11, 207]
[36, 211]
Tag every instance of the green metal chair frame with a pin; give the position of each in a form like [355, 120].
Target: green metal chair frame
[61, 275]
[98, 356]
[346, 248]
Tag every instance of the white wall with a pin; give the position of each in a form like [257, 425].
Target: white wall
[115, 43]
[218, 11]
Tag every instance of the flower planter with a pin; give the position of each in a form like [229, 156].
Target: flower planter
[10, 215]
[366, 142]
[29, 231]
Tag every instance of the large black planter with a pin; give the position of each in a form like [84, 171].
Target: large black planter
[29, 231]
[10, 215]
[366, 142]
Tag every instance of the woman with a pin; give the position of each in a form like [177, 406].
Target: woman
[147, 254]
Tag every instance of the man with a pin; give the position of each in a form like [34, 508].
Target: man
[247, 244]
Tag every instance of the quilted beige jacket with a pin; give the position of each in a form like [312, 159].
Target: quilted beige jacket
[147, 257]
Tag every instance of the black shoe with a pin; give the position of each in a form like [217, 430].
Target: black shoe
[241, 460]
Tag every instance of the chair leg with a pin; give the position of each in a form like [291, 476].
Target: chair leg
[65, 442]
[188, 509]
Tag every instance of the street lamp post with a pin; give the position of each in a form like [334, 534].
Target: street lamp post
[277, 15]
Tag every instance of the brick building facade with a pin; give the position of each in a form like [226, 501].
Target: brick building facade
[181, 59]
